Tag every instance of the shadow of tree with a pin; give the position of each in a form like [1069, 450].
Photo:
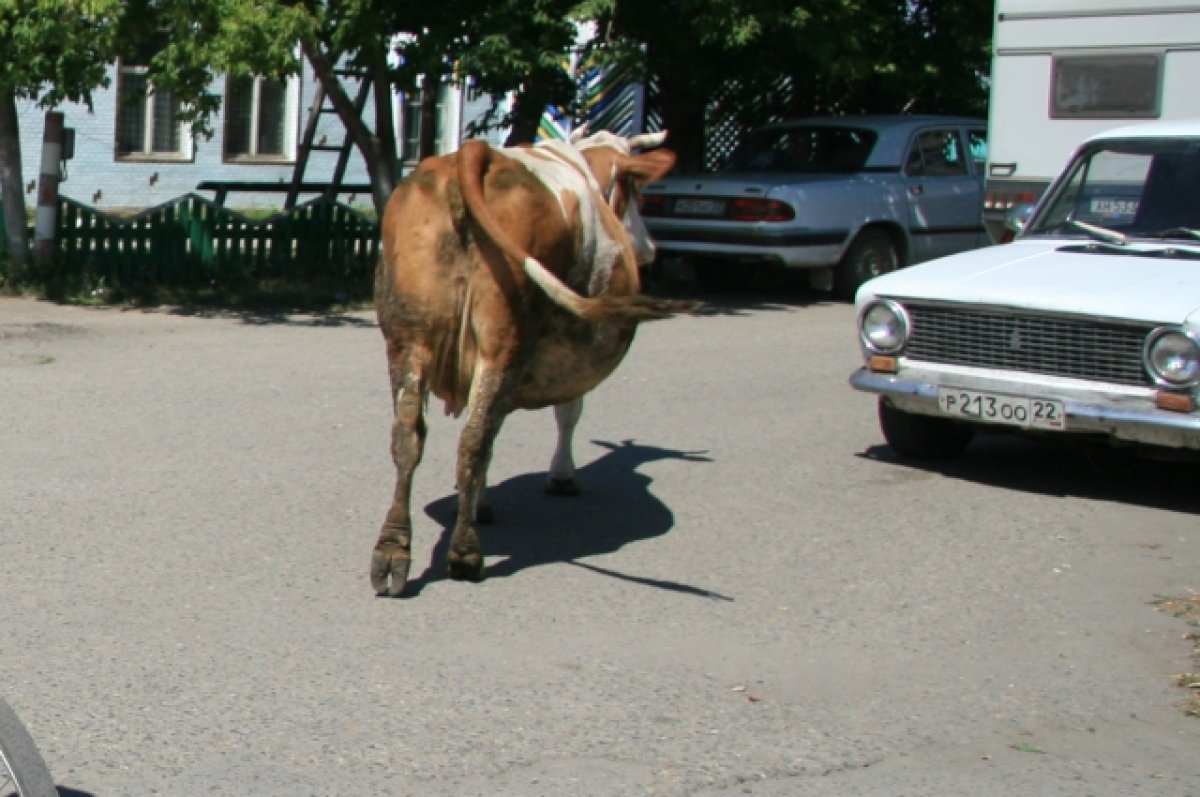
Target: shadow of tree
[267, 317]
[616, 508]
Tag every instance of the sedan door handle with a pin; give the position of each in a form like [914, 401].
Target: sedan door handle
[916, 189]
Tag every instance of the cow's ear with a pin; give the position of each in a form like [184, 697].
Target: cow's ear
[646, 167]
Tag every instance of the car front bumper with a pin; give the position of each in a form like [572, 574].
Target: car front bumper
[1130, 417]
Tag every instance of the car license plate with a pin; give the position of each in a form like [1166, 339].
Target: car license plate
[699, 207]
[976, 405]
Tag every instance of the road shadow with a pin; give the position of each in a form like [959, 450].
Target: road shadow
[264, 317]
[1065, 468]
[766, 288]
[615, 508]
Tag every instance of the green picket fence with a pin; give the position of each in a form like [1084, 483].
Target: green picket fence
[193, 242]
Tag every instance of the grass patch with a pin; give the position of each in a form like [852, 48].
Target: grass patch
[1026, 747]
[1187, 609]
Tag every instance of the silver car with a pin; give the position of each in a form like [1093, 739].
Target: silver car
[848, 197]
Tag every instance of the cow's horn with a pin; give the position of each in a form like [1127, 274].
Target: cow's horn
[579, 133]
[647, 140]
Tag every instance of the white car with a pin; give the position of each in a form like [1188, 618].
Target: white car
[1087, 324]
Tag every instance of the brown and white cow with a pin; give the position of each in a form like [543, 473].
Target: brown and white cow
[508, 280]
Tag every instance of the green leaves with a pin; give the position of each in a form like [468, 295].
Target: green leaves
[57, 49]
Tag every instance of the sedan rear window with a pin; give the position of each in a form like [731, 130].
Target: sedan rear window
[804, 150]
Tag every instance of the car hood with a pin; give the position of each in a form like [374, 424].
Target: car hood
[738, 182]
[1037, 275]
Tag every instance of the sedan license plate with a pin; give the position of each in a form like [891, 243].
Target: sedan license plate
[975, 405]
[699, 207]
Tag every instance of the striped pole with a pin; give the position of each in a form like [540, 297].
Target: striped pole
[51, 173]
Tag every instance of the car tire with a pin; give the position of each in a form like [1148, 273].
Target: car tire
[922, 436]
[872, 253]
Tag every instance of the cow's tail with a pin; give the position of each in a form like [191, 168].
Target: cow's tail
[474, 159]
[614, 309]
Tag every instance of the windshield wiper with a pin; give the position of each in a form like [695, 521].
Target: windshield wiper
[1174, 232]
[1102, 234]
[1105, 248]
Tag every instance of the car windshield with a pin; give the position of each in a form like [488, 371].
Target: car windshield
[805, 150]
[1120, 190]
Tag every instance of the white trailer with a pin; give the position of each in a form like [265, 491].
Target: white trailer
[1063, 70]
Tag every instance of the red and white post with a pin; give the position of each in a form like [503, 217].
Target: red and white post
[46, 224]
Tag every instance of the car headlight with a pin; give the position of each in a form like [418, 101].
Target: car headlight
[883, 327]
[1173, 358]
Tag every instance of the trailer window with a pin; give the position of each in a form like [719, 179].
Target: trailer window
[1106, 86]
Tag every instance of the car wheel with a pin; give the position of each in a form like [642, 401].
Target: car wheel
[872, 253]
[922, 436]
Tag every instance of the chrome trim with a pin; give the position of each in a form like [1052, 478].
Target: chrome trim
[1008, 309]
[901, 315]
[1148, 362]
[1008, 339]
[1093, 414]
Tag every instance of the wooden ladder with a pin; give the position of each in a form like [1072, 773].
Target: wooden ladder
[321, 108]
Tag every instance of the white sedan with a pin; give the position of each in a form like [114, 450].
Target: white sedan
[1087, 324]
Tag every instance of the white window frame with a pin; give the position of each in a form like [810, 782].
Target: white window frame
[291, 110]
[446, 138]
[146, 106]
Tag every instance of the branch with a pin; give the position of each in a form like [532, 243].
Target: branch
[377, 159]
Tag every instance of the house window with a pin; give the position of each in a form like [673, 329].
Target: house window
[412, 123]
[258, 116]
[148, 124]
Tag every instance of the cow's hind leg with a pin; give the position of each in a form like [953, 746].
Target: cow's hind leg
[393, 552]
[562, 479]
[486, 414]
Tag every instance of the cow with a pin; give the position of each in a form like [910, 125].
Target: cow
[508, 279]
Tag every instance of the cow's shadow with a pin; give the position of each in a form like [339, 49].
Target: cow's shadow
[615, 507]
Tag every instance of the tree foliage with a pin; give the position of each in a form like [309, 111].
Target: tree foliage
[751, 61]
[54, 50]
[763, 60]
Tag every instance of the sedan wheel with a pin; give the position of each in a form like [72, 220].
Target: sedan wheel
[871, 254]
[922, 436]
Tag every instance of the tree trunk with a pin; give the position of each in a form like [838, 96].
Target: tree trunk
[378, 151]
[428, 126]
[683, 119]
[527, 115]
[12, 188]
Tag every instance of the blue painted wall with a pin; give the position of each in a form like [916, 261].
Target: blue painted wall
[96, 177]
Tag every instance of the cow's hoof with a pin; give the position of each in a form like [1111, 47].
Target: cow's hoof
[389, 569]
[569, 486]
[465, 567]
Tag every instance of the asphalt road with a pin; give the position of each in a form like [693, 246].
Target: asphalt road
[750, 597]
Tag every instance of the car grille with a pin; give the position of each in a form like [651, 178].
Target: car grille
[1081, 348]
